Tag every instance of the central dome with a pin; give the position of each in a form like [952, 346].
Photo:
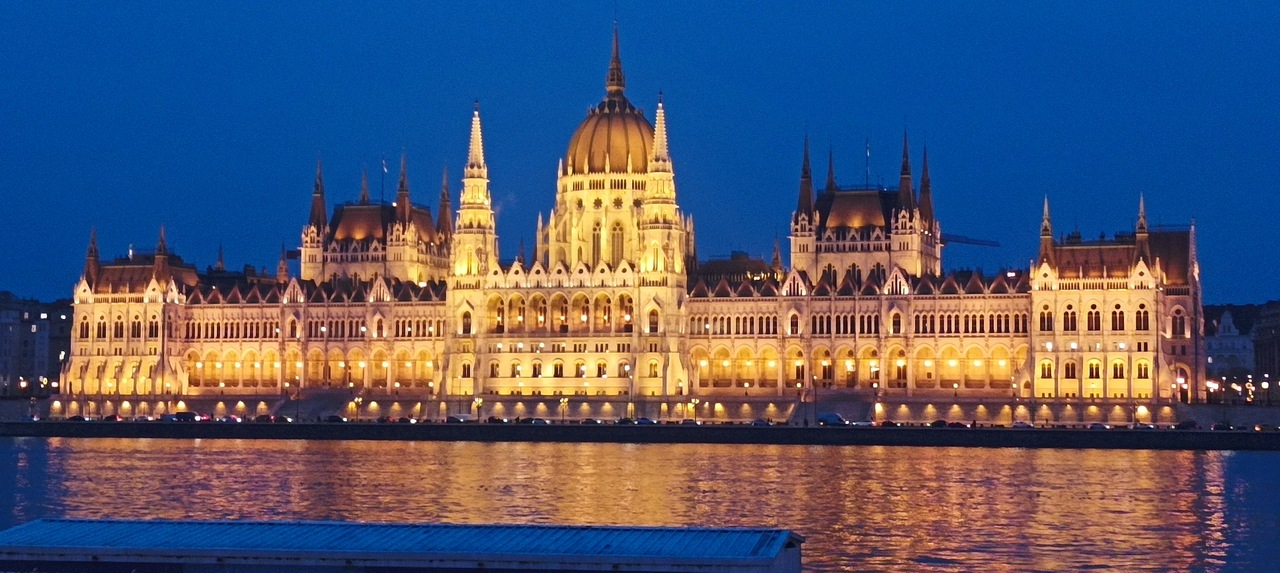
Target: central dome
[614, 131]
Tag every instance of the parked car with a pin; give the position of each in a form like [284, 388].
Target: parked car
[863, 424]
[534, 421]
[645, 422]
[1222, 427]
[1099, 426]
[112, 418]
[458, 419]
[762, 422]
[1187, 425]
[187, 416]
[496, 420]
[889, 424]
[957, 425]
[690, 423]
[1021, 425]
[1142, 426]
[262, 419]
[76, 418]
[831, 419]
[625, 422]
[590, 422]
[1265, 428]
[334, 419]
[406, 420]
[938, 424]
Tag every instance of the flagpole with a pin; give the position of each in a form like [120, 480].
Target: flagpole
[382, 193]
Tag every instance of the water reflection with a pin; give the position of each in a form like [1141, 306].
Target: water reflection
[861, 508]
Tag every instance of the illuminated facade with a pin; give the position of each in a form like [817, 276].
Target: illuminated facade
[613, 303]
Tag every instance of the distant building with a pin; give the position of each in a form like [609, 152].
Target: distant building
[35, 339]
[1266, 340]
[613, 306]
[1228, 339]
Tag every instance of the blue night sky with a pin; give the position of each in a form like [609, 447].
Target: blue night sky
[209, 118]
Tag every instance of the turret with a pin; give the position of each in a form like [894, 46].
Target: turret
[926, 191]
[160, 267]
[364, 186]
[282, 267]
[91, 261]
[804, 203]
[1046, 236]
[906, 195]
[831, 171]
[444, 223]
[402, 191]
[319, 212]
[1143, 247]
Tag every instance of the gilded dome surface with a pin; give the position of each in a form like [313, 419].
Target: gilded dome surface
[613, 131]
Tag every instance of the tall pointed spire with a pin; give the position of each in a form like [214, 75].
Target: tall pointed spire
[776, 264]
[476, 168]
[160, 264]
[831, 170]
[319, 212]
[444, 222]
[661, 160]
[1142, 214]
[282, 267]
[926, 189]
[906, 195]
[804, 205]
[222, 263]
[364, 186]
[162, 244]
[1046, 226]
[615, 82]
[402, 190]
[1046, 235]
[91, 262]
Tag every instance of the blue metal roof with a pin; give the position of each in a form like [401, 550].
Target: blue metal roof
[433, 542]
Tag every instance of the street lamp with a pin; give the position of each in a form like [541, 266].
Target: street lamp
[478, 402]
[357, 401]
[694, 402]
[955, 389]
[564, 408]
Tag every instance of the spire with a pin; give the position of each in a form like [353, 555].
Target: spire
[162, 245]
[661, 160]
[1046, 236]
[615, 82]
[777, 255]
[926, 190]
[364, 186]
[319, 213]
[444, 223]
[1142, 214]
[1046, 227]
[91, 263]
[160, 265]
[520, 258]
[222, 263]
[282, 267]
[831, 170]
[804, 206]
[906, 196]
[476, 168]
[402, 190]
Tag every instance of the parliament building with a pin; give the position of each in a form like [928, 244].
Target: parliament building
[410, 310]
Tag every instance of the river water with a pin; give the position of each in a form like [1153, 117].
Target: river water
[859, 508]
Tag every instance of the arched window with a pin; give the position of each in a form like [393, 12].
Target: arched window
[615, 244]
[117, 330]
[1046, 369]
[377, 329]
[1144, 370]
[537, 369]
[1179, 324]
[1094, 318]
[896, 323]
[466, 322]
[135, 328]
[1069, 319]
[493, 369]
[1117, 370]
[795, 325]
[595, 245]
[293, 329]
[1046, 319]
[653, 369]
[653, 321]
[1095, 370]
[153, 328]
[1117, 319]
[466, 369]
[1069, 370]
[84, 328]
[1142, 320]
[557, 369]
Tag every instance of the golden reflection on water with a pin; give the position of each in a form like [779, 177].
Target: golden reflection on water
[860, 508]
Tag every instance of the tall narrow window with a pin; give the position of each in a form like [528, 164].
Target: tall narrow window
[615, 244]
[595, 245]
